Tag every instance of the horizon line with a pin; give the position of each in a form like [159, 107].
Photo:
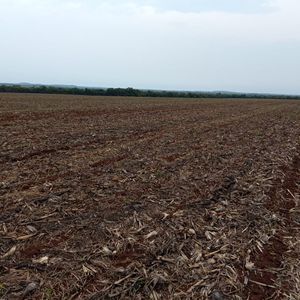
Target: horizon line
[67, 85]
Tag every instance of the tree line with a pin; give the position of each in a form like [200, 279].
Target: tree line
[130, 92]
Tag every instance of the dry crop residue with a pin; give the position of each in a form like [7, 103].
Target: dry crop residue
[148, 198]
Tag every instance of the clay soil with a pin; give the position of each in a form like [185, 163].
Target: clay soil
[129, 198]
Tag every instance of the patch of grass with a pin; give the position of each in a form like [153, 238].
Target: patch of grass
[48, 293]
[2, 289]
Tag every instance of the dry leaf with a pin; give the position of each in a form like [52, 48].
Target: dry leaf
[208, 235]
[42, 261]
[25, 237]
[192, 231]
[151, 234]
[31, 287]
[31, 228]
[107, 251]
[89, 270]
[10, 252]
[249, 265]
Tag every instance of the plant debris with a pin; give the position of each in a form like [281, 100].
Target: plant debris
[129, 198]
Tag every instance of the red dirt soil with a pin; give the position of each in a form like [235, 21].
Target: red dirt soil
[131, 198]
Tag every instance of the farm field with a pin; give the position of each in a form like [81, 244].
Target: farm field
[143, 198]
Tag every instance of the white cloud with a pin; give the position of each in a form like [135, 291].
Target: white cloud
[131, 44]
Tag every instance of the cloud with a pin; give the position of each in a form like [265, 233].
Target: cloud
[142, 44]
[280, 23]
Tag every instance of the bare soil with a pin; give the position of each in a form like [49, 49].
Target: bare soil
[131, 198]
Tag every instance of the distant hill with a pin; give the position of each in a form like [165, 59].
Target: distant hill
[28, 84]
[25, 87]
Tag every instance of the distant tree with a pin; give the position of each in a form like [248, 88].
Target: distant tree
[131, 92]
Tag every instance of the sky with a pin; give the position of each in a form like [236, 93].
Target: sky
[232, 45]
